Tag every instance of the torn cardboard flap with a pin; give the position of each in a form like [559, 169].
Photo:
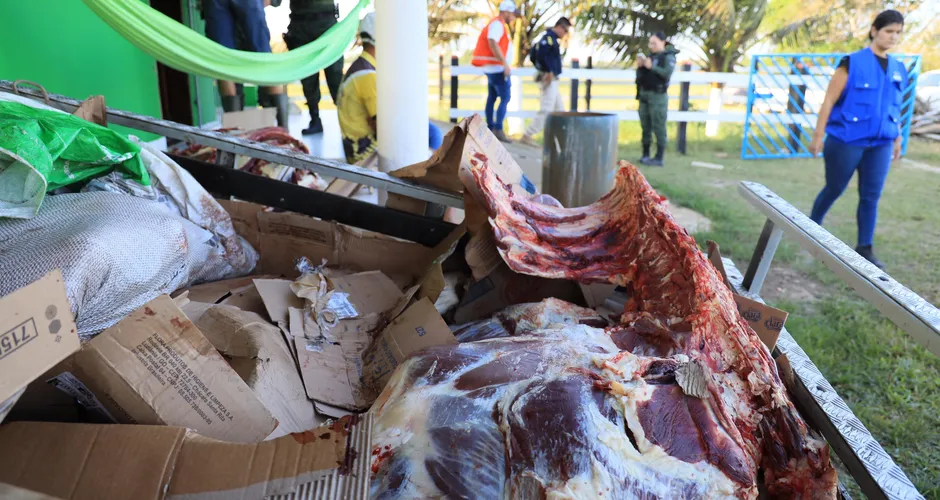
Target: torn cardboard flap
[369, 292]
[441, 169]
[765, 320]
[93, 110]
[418, 327]
[124, 462]
[481, 147]
[256, 350]
[331, 367]
[278, 298]
[37, 331]
[156, 367]
[469, 143]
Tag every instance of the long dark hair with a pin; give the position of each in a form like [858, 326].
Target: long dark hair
[886, 18]
[660, 35]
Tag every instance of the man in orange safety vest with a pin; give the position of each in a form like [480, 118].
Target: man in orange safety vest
[492, 54]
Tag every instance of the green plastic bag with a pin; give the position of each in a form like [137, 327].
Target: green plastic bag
[43, 150]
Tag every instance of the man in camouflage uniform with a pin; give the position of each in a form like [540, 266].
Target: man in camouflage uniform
[652, 81]
[309, 19]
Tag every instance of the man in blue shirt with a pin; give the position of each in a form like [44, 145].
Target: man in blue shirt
[546, 56]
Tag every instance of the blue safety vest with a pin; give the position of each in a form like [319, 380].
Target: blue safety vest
[869, 111]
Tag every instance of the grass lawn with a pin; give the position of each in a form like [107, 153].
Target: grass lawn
[891, 383]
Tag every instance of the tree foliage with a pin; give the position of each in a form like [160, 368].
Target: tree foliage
[721, 29]
[724, 30]
[447, 20]
[537, 16]
[829, 25]
[624, 26]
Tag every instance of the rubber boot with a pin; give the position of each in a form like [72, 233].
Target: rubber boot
[660, 152]
[645, 160]
[240, 92]
[282, 104]
[231, 103]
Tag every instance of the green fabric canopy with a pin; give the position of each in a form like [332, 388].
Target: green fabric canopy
[183, 49]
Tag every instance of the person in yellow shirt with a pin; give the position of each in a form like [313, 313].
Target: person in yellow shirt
[357, 102]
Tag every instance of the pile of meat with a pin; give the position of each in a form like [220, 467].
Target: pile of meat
[678, 399]
[269, 135]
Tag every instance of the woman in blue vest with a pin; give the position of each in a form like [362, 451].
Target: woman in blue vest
[861, 120]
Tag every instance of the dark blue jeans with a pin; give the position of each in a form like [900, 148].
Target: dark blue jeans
[842, 160]
[224, 16]
[498, 87]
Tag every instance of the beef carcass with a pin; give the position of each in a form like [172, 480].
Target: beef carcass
[522, 319]
[557, 414]
[629, 238]
[681, 400]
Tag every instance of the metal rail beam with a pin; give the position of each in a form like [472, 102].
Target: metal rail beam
[274, 154]
[919, 318]
[225, 182]
[872, 467]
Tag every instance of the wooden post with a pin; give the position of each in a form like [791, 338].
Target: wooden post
[683, 106]
[454, 83]
[587, 85]
[575, 64]
[440, 77]
[795, 105]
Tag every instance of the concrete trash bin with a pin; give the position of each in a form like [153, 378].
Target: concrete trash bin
[579, 156]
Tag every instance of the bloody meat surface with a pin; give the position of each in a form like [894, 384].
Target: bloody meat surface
[680, 400]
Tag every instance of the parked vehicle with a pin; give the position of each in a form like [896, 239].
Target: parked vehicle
[928, 88]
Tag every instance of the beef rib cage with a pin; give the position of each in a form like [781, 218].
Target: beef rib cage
[680, 400]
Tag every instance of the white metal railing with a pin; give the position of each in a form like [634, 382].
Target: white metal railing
[575, 76]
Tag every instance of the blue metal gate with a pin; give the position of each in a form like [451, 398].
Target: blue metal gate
[784, 97]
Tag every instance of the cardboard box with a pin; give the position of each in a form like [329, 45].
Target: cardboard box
[250, 119]
[156, 367]
[138, 462]
[418, 327]
[37, 331]
[284, 237]
[244, 217]
[504, 288]
[766, 321]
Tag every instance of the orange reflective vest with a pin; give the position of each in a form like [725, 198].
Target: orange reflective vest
[483, 54]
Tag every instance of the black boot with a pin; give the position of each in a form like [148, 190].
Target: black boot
[282, 104]
[646, 155]
[240, 92]
[869, 255]
[660, 152]
[316, 127]
[231, 103]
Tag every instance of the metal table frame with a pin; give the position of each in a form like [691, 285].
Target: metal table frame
[230, 145]
[871, 466]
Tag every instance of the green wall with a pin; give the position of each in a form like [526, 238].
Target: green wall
[62, 45]
[203, 86]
